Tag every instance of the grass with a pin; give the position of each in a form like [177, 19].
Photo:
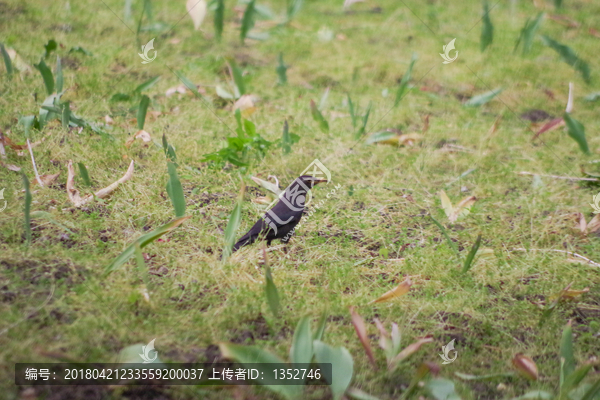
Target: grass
[360, 243]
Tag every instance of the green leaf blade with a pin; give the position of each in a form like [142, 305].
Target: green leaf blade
[576, 131]
[142, 110]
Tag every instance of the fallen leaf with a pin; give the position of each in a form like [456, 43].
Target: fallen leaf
[108, 120]
[176, 89]
[525, 366]
[76, 198]
[594, 32]
[594, 224]
[561, 19]
[398, 291]
[461, 209]
[567, 294]
[361, 332]
[142, 134]
[47, 179]
[550, 126]
[11, 167]
[246, 104]
[197, 11]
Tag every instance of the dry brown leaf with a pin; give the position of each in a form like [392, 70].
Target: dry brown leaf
[582, 223]
[246, 105]
[108, 120]
[550, 126]
[525, 366]
[47, 179]
[145, 136]
[594, 224]
[594, 32]
[11, 167]
[76, 198]
[398, 291]
[182, 89]
[567, 293]
[410, 349]
[361, 332]
[566, 21]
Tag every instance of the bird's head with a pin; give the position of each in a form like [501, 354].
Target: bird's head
[310, 181]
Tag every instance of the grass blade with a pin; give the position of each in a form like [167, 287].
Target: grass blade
[318, 117]
[27, 209]
[281, 70]
[286, 141]
[238, 78]
[169, 150]
[363, 128]
[487, 29]
[7, 61]
[302, 349]
[293, 8]
[219, 18]
[529, 33]
[322, 324]
[567, 359]
[188, 84]
[143, 241]
[271, 292]
[46, 76]
[146, 85]
[175, 190]
[84, 174]
[59, 75]
[577, 132]
[142, 269]
[247, 21]
[445, 233]
[569, 56]
[483, 98]
[352, 112]
[405, 79]
[141, 113]
[232, 227]
[471, 255]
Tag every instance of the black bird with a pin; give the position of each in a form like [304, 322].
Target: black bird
[279, 222]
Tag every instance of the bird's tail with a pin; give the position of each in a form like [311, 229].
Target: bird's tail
[244, 241]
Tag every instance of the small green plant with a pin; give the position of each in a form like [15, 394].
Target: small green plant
[247, 20]
[528, 33]
[487, 28]
[248, 146]
[305, 345]
[318, 117]
[569, 56]
[571, 385]
[174, 188]
[402, 89]
[288, 139]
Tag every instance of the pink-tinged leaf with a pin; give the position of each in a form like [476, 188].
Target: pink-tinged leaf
[550, 126]
[525, 366]
[361, 332]
[410, 350]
